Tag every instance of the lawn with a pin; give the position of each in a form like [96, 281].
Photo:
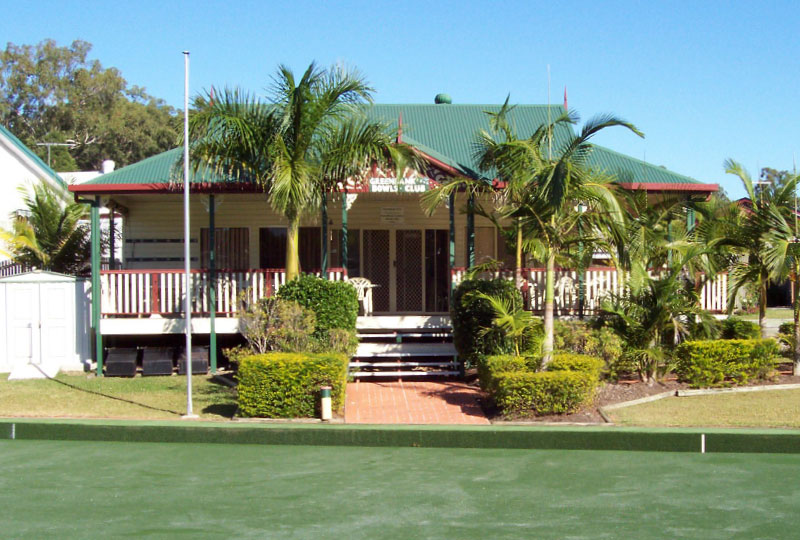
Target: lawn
[168, 490]
[86, 396]
[777, 408]
[772, 313]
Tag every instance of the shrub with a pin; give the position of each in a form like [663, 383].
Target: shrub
[581, 338]
[736, 328]
[275, 324]
[471, 314]
[719, 363]
[488, 366]
[577, 362]
[339, 341]
[786, 328]
[335, 303]
[545, 392]
[286, 385]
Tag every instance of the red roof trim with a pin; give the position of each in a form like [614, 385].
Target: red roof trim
[654, 186]
[162, 188]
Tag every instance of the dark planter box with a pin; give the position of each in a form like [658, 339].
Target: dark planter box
[199, 361]
[157, 361]
[121, 362]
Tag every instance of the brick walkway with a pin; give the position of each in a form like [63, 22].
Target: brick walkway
[394, 402]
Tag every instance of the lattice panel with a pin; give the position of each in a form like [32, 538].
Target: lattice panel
[409, 270]
[376, 267]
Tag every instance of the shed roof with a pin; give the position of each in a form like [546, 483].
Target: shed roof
[443, 132]
[28, 153]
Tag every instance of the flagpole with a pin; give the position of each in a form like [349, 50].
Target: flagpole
[187, 296]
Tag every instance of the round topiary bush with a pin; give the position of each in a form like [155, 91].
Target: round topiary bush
[335, 303]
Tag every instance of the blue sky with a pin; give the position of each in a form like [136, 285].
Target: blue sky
[704, 80]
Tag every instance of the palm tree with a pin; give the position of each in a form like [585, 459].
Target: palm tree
[750, 237]
[547, 212]
[310, 135]
[782, 257]
[51, 233]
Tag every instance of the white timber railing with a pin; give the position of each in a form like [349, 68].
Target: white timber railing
[161, 292]
[599, 282]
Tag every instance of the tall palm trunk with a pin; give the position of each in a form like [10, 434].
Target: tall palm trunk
[762, 304]
[549, 302]
[518, 260]
[796, 309]
[292, 249]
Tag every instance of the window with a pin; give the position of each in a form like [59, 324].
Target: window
[272, 248]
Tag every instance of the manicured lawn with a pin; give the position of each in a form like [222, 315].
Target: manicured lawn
[82, 396]
[168, 490]
[772, 313]
[778, 408]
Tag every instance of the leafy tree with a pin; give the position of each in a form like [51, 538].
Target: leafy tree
[56, 94]
[51, 233]
[311, 135]
[749, 236]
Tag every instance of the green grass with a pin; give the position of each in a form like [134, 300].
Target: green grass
[772, 313]
[86, 396]
[777, 408]
[162, 490]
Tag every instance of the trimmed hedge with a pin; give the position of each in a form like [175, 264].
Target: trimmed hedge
[577, 362]
[335, 303]
[470, 314]
[286, 385]
[543, 392]
[736, 328]
[517, 388]
[725, 362]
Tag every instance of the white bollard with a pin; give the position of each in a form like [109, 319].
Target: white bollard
[326, 403]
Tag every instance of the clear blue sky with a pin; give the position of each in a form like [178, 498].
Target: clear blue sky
[704, 80]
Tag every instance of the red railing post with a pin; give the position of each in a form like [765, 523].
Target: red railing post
[155, 306]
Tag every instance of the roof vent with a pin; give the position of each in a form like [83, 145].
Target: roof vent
[108, 166]
[443, 99]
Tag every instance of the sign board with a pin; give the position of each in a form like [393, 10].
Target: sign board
[392, 215]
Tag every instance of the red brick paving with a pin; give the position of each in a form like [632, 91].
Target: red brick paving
[412, 402]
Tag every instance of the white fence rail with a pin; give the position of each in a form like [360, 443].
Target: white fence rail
[161, 292]
[599, 282]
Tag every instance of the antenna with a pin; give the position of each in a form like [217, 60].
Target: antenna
[49, 144]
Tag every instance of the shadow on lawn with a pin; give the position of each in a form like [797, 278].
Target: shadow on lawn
[86, 390]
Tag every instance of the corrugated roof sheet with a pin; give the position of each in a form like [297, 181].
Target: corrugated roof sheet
[30, 153]
[445, 132]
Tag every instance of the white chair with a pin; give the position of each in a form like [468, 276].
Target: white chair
[364, 289]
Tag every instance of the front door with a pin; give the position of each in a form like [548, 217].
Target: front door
[408, 270]
[23, 324]
[377, 268]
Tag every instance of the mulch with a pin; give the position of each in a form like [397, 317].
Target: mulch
[620, 392]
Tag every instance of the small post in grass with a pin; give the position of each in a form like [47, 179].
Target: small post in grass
[325, 403]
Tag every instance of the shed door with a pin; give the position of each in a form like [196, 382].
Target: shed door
[22, 314]
[56, 314]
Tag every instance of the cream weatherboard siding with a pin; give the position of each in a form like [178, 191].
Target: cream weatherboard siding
[160, 217]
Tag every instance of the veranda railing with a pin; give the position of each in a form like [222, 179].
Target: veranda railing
[161, 292]
[599, 281]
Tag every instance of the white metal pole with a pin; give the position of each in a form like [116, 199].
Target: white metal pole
[187, 298]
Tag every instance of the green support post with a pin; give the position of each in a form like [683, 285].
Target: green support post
[691, 220]
[344, 230]
[95, 241]
[324, 236]
[212, 284]
[452, 204]
[471, 230]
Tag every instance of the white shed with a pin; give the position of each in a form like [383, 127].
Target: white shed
[45, 324]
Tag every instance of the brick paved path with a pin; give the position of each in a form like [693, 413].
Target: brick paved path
[423, 402]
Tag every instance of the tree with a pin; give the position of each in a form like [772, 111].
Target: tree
[55, 94]
[750, 234]
[782, 257]
[311, 135]
[51, 233]
[547, 212]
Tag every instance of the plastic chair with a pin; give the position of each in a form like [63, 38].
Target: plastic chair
[364, 289]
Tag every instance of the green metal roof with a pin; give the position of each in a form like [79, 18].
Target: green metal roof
[33, 157]
[444, 132]
[162, 168]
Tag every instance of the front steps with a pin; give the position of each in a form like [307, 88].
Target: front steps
[405, 351]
